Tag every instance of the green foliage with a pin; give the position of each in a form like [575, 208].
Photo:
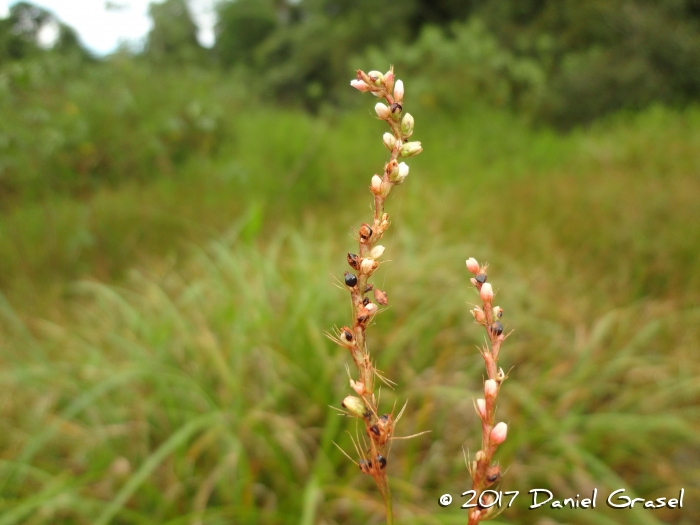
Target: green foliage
[603, 55]
[173, 38]
[564, 63]
[166, 240]
[66, 127]
[467, 55]
[19, 34]
[241, 27]
[305, 58]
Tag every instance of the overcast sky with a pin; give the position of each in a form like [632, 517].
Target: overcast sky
[103, 24]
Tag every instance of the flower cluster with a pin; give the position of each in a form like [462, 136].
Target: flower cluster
[374, 448]
[483, 470]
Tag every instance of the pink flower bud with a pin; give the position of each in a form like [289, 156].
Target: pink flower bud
[490, 389]
[472, 265]
[383, 111]
[359, 85]
[389, 81]
[486, 293]
[481, 408]
[358, 386]
[398, 91]
[479, 315]
[499, 433]
[376, 185]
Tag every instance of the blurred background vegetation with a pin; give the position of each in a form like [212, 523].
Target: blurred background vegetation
[171, 217]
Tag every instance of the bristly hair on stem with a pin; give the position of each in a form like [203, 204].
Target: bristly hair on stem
[484, 471]
[363, 262]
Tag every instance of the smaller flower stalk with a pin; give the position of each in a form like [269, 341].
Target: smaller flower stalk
[484, 471]
[374, 445]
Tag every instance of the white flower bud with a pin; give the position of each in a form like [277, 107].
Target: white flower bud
[411, 149]
[389, 141]
[383, 111]
[398, 92]
[371, 308]
[486, 293]
[376, 185]
[407, 125]
[368, 266]
[403, 173]
[490, 389]
[472, 265]
[355, 406]
[377, 252]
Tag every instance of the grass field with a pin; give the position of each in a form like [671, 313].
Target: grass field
[163, 358]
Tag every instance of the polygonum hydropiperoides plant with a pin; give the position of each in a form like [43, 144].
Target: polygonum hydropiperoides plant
[374, 445]
[484, 472]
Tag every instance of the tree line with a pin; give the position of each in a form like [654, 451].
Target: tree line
[563, 61]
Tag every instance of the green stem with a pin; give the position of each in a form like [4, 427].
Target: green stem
[389, 511]
[383, 485]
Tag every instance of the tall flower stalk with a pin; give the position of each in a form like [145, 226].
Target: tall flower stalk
[374, 445]
[484, 471]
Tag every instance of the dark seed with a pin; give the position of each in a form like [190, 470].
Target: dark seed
[396, 107]
[381, 460]
[353, 261]
[365, 465]
[368, 288]
[365, 232]
[374, 429]
[493, 473]
[350, 279]
[347, 335]
[365, 301]
[497, 328]
[481, 278]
